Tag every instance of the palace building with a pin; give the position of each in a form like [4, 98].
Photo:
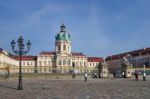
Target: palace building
[7, 62]
[62, 60]
[137, 58]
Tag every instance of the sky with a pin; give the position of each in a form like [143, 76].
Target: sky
[97, 27]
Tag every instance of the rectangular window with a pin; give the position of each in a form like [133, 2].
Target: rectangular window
[31, 63]
[23, 63]
[49, 62]
[68, 48]
[45, 63]
[28, 64]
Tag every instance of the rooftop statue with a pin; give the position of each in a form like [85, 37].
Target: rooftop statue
[104, 59]
[125, 60]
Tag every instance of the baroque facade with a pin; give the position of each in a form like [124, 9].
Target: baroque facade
[62, 60]
[7, 62]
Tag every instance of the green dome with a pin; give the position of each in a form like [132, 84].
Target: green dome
[63, 36]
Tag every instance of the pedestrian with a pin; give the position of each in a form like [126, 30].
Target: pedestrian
[136, 76]
[114, 74]
[85, 76]
[73, 75]
[123, 74]
[144, 76]
[95, 75]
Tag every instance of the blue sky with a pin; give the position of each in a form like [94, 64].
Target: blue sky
[97, 27]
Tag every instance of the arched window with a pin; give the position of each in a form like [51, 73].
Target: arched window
[69, 62]
[59, 48]
[59, 62]
[64, 62]
[64, 47]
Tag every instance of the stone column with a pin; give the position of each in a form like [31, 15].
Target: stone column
[127, 69]
[104, 69]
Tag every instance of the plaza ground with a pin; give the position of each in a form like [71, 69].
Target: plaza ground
[67, 88]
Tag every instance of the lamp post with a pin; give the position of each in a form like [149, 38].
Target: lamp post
[99, 67]
[20, 52]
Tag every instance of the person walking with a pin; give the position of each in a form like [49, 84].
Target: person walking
[144, 76]
[123, 74]
[136, 76]
[85, 76]
[95, 75]
[114, 74]
[73, 75]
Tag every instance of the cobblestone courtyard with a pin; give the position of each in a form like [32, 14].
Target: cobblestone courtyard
[46, 88]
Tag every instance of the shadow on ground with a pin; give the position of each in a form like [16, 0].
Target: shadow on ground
[7, 87]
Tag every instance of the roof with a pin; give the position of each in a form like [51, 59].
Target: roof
[25, 58]
[47, 53]
[134, 53]
[53, 53]
[94, 59]
[4, 52]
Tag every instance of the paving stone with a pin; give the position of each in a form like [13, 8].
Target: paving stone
[104, 88]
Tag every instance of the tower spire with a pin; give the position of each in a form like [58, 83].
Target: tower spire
[62, 22]
[62, 26]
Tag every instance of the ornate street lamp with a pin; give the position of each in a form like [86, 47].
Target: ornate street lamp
[99, 67]
[20, 52]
